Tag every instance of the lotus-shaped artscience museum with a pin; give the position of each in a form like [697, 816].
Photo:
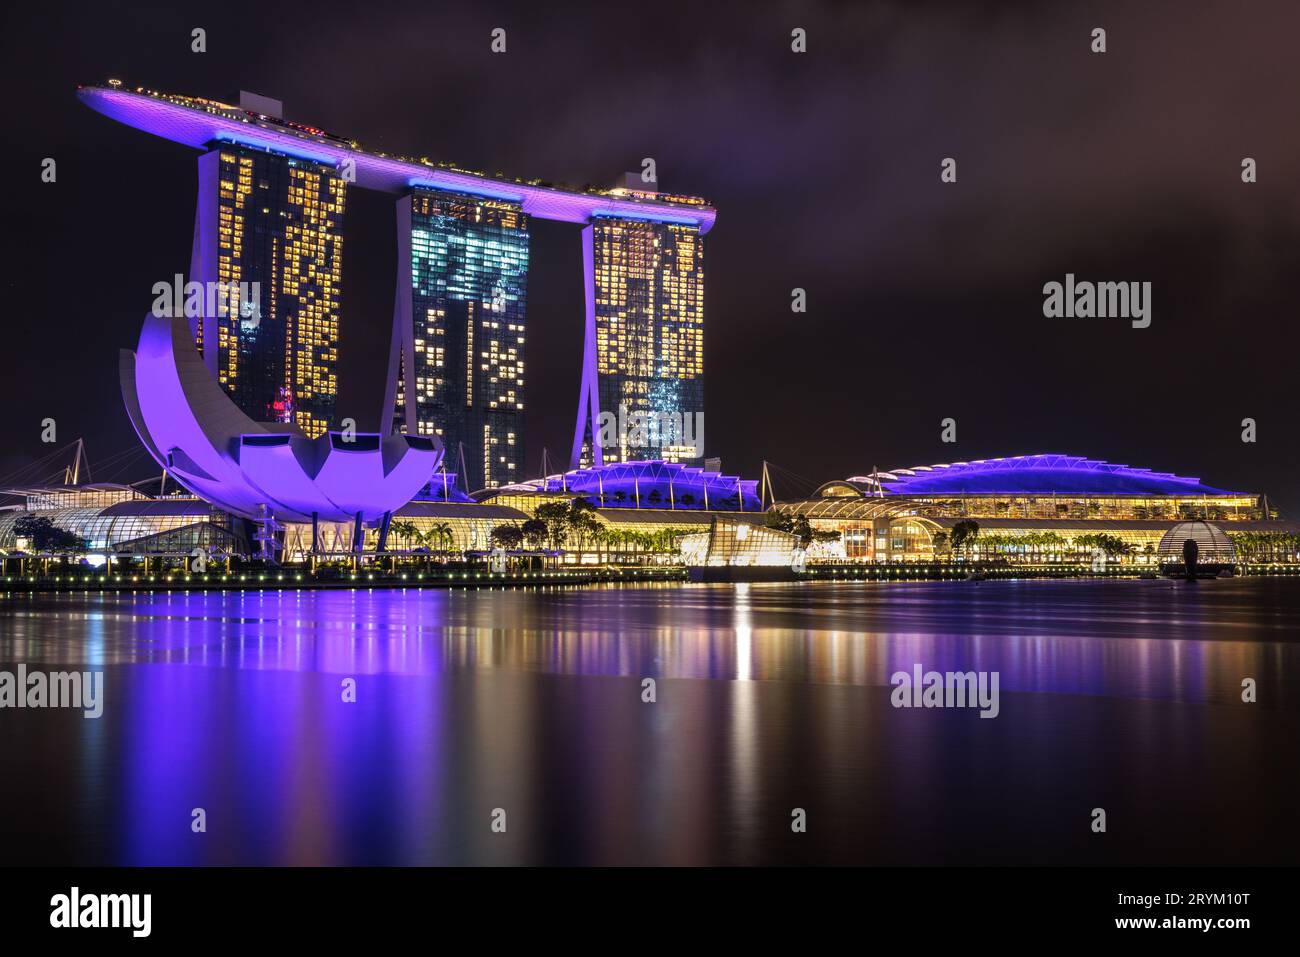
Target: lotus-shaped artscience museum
[253, 469]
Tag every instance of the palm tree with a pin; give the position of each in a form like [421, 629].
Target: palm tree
[404, 531]
[440, 536]
[600, 538]
[963, 535]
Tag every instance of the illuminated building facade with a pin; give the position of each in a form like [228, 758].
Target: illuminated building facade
[134, 525]
[271, 222]
[456, 368]
[739, 544]
[1026, 509]
[644, 348]
[271, 203]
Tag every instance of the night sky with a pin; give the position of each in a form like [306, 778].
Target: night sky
[924, 298]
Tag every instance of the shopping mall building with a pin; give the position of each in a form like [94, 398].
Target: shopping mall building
[1032, 508]
[637, 505]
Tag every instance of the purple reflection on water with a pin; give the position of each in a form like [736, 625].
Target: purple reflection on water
[769, 697]
[1164, 642]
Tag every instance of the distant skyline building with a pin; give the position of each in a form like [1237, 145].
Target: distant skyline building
[643, 357]
[456, 366]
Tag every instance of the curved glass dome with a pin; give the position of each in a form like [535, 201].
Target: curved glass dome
[651, 483]
[1213, 546]
[1044, 474]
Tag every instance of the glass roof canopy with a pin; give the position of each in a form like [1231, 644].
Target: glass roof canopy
[1041, 474]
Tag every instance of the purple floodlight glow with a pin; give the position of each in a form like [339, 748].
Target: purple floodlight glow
[652, 483]
[198, 127]
[652, 217]
[1043, 474]
[252, 469]
[433, 182]
[589, 393]
[260, 143]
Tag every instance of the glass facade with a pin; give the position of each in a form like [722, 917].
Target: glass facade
[469, 290]
[279, 222]
[641, 484]
[649, 335]
[738, 544]
[1017, 527]
[443, 528]
[159, 526]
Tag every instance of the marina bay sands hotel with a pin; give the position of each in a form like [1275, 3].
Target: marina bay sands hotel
[272, 197]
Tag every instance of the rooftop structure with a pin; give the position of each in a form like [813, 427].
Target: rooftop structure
[1040, 474]
[199, 122]
[85, 495]
[1027, 505]
[650, 484]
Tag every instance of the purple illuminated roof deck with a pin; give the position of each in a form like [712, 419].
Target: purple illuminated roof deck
[650, 484]
[1044, 474]
[198, 123]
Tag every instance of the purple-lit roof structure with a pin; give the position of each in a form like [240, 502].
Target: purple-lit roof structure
[650, 483]
[1042, 474]
[259, 470]
[198, 123]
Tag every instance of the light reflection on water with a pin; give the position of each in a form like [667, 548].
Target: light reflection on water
[769, 697]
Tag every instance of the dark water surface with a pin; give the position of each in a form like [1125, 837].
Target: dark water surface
[1124, 695]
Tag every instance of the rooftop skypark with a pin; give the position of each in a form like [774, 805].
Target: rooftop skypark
[200, 122]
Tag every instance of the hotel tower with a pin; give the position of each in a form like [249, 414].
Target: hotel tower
[275, 220]
[644, 344]
[270, 211]
[456, 368]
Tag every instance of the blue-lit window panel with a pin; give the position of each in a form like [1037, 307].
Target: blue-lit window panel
[469, 293]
